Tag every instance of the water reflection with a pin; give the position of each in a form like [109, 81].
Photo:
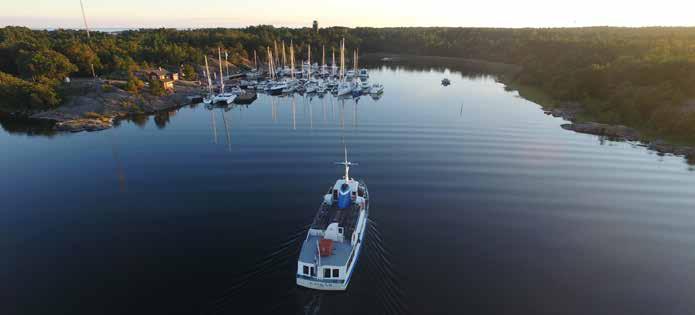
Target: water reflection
[24, 126]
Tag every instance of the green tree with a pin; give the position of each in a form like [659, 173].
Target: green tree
[82, 56]
[134, 84]
[189, 72]
[156, 87]
[18, 94]
[44, 65]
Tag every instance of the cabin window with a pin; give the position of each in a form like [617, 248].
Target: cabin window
[336, 272]
[340, 230]
[306, 270]
[313, 271]
[327, 272]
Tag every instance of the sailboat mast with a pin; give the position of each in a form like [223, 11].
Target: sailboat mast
[255, 60]
[275, 61]
[84, 18]
[284, 56]
[226, 62]
[292, 59]
[219, 56]
[323, 59]
[207, 71]
[308, 47]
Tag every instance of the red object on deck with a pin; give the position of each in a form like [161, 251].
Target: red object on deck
[325, 247]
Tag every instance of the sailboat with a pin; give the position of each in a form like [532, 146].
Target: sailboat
[332, 246]
[222, 97]
[344, 87]
[208, 98]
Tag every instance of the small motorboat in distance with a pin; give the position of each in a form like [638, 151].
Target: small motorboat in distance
[332, 245]
[377, 88]
[445, 82]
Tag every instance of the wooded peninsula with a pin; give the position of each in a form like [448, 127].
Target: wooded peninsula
[643, 78]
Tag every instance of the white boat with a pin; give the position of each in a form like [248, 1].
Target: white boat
[364, 85]
[376, 88]
[332, 246]
[277, 88]
[311, 88]
[251, 75]
[225, 98]
[350, 74]
[363, 73]
[356, 88]
[344, 88]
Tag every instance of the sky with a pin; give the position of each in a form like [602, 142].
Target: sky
[376, 13]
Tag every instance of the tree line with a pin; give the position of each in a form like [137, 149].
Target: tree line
[635, 76]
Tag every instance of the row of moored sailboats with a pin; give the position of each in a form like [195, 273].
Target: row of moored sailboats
[309, 78]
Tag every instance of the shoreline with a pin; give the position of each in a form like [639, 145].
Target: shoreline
[104, 104]
[571, 111]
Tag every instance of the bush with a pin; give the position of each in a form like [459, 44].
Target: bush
[134, 85]
[17, 94]
[157, 88]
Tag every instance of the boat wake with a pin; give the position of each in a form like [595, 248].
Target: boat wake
[244, 288]
[379, 269]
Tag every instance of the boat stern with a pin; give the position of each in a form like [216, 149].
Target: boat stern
[321, 284]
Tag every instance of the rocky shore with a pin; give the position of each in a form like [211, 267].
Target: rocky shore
[570, 111]
[95, 105]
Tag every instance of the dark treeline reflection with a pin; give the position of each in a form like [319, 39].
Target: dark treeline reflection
[161, 119]
[26, 126]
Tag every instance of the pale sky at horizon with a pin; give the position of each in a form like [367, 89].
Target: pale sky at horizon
[239, 13]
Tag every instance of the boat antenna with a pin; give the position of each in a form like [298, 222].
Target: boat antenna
[347, 165]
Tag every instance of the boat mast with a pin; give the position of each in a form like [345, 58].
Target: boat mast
[292, 59]
[342, 58]
[219, 56]
[226, 62]
[323, 59]
[333, 65]
[84, 18]
[284, 56]
[276, 61]
[270, 64]
[347, 165]
[308, 48]
[86, 28]
[207, 71]
[255, 60]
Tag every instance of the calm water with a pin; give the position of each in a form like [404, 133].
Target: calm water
[481, 204]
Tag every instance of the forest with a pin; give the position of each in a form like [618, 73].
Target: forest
[640, 77]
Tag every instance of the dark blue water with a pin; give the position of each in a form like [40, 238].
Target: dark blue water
[481, 204]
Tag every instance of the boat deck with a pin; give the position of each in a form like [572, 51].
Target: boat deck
[346, 218]
[341, 252]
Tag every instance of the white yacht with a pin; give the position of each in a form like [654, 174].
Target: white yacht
[332, 246]
[364, 85]
[364, 74]
[377, 88]
[226, 98]
[344, 88]
[277, 88]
